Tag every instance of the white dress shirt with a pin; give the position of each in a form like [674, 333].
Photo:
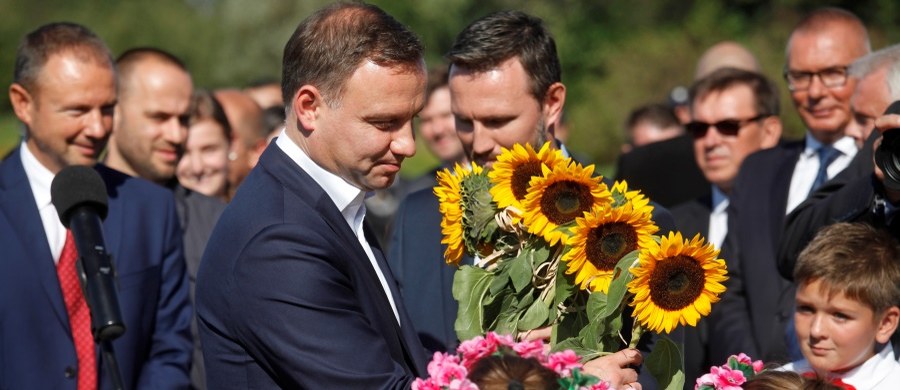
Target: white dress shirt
[879, 372]
[808, 166]
[347, 198]
[40, 178]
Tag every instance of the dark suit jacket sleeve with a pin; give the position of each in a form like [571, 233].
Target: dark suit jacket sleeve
[730, 328]
[167, 365]
[835, 202]
[295, 310]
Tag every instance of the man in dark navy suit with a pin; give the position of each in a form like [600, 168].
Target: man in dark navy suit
[505, 88]
[64, 92]
[734, 113]
[293, 291]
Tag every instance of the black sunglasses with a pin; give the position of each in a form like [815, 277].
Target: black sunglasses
[729, 127]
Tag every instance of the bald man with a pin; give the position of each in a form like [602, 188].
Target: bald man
[248, 136]
[726, 54]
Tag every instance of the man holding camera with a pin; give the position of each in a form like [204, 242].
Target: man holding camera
[863, 192]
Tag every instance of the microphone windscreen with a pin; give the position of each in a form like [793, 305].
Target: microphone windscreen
[75, 186]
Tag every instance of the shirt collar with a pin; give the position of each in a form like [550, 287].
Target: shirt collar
[846, 145]
[39, 177]
[347, 198]
[719, 199]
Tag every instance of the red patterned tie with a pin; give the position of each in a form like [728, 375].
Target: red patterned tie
[79, 315]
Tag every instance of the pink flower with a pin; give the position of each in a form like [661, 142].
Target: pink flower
[597, 386]
[479, 347]
[563, 362]
[727, 379]
[758, 366]
[530, 349]
[444, 367]
[462, 384]
[475, 349]
[425, 384]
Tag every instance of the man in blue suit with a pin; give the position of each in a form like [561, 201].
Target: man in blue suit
[505, 88]
[64, 92]
[293, 291]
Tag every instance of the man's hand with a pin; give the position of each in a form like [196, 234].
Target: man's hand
[616, 368]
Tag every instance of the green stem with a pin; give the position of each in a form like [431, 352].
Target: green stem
[636, 332]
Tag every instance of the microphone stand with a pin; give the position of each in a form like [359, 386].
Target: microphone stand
[97, 276]
[103, 337]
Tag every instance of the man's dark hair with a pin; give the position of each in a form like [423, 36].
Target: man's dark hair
[331, 44]
[658, 114]
[764, 91]
[39, 45]
[500, 36]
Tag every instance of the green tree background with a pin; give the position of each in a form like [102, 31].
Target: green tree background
[616, 55]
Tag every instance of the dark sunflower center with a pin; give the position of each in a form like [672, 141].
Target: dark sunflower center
[676, 282]
[522, 176]
[606, 244]
[566, 200]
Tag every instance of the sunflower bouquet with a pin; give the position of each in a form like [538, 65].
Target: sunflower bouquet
[555, 246]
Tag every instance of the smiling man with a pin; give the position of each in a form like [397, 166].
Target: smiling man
[773, 182]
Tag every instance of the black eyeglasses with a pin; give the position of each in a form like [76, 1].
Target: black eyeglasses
[799, 80]
[729, 127]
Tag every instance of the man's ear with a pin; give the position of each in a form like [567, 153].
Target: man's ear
[553, 103]
[306, 105]
[772, 129]
[887, 325]
[22, 102]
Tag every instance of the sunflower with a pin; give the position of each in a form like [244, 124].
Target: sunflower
[448, 191]
[676, 282]
[559, 196]
[622, 195]
[601, 238]
[514, 169]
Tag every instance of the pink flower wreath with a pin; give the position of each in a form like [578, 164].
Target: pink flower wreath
[450, 371]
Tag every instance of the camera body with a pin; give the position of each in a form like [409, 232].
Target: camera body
[887, 157]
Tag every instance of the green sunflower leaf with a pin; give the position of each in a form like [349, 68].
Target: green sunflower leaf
[470, 285]
[521, 270]
[665, 364]
[535, 317]
[619, 285]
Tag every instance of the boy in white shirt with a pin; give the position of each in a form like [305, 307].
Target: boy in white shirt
[848, 289]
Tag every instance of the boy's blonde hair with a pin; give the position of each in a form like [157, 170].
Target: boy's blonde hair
[855, 259]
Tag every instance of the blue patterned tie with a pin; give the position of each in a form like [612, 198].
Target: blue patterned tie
[827, 155]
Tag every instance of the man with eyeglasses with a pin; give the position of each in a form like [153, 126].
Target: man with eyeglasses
[772, 182]
[734, 113]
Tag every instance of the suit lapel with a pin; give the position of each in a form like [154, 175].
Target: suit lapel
[408, 337]
[299, 182]
[17, 202]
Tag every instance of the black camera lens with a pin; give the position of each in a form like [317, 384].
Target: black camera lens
[887, 157]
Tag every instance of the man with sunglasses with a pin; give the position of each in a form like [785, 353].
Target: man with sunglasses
[772, 182]
[734, 113]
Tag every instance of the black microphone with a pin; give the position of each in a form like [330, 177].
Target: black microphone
[79, 195]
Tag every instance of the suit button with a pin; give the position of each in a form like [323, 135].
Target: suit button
[70, 372]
